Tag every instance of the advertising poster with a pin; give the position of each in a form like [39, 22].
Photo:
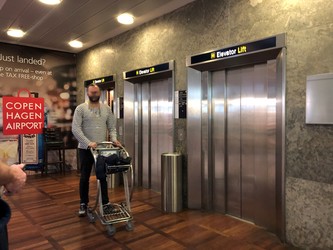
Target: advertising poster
[48, 74]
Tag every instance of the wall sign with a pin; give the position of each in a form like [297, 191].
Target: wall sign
[234, 51]
[99, 81]
[180, 104]
[106, 82]
[147, 71]
[319, 89]
[23, 115]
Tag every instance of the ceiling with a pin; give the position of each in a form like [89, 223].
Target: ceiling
[90, 21]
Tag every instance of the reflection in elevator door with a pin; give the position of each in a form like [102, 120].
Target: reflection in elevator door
[244, 142]
[152, 121]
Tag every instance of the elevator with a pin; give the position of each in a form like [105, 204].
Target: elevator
[236, 122]
[148, 120]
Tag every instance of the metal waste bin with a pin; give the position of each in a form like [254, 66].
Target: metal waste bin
[172, 188]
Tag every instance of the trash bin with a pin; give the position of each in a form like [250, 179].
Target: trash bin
[171, 181]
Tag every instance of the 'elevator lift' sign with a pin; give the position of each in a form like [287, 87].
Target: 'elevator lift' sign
[22, 115]
[147, 71]
[235, 50]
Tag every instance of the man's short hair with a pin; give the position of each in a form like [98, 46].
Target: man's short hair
[92, 85]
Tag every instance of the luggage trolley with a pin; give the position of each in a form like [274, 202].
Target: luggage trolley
[122, 211]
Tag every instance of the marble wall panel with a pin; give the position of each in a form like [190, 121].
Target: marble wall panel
[309, 214]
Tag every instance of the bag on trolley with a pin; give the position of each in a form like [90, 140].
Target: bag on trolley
[102, 163]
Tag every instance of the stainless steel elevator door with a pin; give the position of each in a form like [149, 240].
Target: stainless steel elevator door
[161, 127]
[244, 142]
[150, 114]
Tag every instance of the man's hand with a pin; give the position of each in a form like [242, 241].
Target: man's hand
[18, 181]
[116, 143]
[93, 145]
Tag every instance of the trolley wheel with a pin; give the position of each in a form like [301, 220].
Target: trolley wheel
[91, 216]
[129, 226]
[111, 229]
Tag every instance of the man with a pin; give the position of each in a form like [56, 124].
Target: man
[13, 179]
[91, 121]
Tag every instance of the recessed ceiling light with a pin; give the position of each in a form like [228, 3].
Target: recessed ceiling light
[15, 33]
[125, 19]
[75, 44]
[51, 2]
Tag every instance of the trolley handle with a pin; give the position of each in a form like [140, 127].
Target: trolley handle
[107, 145]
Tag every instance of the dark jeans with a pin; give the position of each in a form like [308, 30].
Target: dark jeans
[87, 161]
[4, 219]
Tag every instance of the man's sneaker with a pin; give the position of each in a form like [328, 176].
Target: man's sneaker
[82, 210]
[109, 208]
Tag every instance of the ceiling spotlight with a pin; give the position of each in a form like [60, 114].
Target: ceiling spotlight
[15, 33]
[125, 19]
[75, 44]
[51, 2]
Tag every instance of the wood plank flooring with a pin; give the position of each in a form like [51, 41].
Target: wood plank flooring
[44, 217]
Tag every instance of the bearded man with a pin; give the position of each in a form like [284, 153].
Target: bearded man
[91, 122]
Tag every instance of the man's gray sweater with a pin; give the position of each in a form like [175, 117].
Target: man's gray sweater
[91, 125]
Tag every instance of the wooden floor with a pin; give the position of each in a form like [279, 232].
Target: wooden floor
[44, 217]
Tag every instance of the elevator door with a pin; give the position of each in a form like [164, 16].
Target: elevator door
[152, 121]
[244, 142]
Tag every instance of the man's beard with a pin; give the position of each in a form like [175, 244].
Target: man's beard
[93, 99]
